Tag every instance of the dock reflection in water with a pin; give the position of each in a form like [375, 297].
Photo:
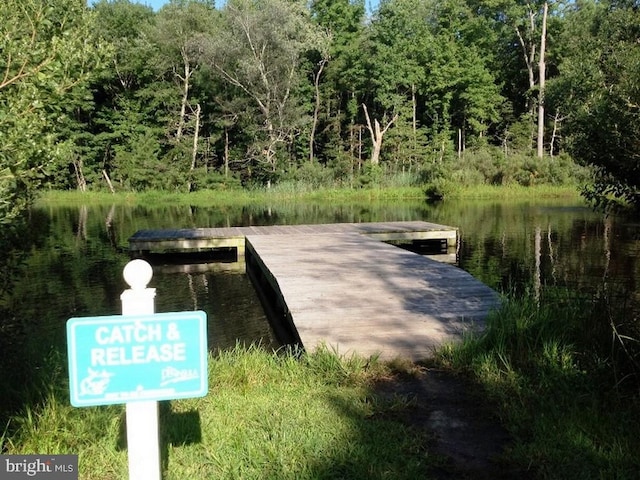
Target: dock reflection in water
[224, 291]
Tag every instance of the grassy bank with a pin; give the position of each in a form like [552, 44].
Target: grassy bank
[302, 193]
[563, 373]
[266, 416]
[565, 392]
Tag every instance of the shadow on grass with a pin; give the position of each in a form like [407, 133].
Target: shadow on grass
[380, 447]
[176, 429]
[565, 391]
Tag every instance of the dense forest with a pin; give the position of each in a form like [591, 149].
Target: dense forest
[116, 96]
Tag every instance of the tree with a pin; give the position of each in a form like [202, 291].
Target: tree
[542, 77]
[344, 22]
[175, 59]
[424, 65]
[377, 134]
[598, 85]
[48, 51]
[525, 28]
[322, 62]
[400, 42]
[263, 63]
[125, 116]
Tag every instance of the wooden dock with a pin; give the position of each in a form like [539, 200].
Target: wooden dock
[356, 294]
[340, 286]
[199, 239]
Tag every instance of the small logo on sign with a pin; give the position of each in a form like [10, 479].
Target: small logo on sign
[173, 375]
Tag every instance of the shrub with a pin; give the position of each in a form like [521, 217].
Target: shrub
[440, 189]
[215, 180]
[311, 173]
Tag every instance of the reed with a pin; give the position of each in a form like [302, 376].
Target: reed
[550, 365]
[298, 192]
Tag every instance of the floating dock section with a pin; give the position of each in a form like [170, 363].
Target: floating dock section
[342, 286]
[199, 239]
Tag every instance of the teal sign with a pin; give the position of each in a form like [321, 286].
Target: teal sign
[127, 358]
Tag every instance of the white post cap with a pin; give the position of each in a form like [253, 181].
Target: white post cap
[137, 273]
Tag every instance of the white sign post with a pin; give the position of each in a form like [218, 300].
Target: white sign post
[138, 358]
[143, 441]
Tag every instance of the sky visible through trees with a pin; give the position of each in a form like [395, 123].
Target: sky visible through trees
[158, 4]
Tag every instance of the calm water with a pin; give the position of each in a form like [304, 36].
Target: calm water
[69, 260]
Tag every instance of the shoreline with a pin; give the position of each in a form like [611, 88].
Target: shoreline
[206, 198]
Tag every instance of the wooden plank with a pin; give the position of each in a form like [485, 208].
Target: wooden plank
[183, 243]
[203, 238]
[356, 294]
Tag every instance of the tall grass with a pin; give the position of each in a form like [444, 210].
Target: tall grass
[301, 192]
[515, 191]
[551, 366]
[278, 193]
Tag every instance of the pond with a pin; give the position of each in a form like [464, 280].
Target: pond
[68, 261]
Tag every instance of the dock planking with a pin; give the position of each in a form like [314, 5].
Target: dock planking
[339, 285]
[197, 239]
[358, 295]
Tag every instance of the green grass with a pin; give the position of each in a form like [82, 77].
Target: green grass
[298, 192]
[279, 416]
[557, 377]
[515, 191]
[567, 394]
[227, 197]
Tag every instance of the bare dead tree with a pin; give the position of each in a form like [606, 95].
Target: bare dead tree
[377, 133]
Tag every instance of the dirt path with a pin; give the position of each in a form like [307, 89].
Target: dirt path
[462, 427]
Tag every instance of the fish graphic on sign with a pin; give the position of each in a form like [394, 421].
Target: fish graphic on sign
[95, 383]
